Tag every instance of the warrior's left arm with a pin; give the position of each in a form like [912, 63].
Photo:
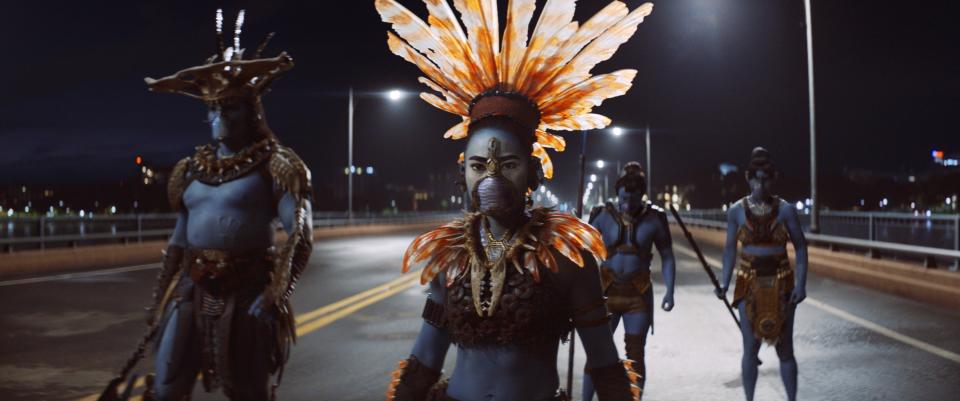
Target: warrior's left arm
[287, 209]
[613, 382]
[664, 246]
[800, 246]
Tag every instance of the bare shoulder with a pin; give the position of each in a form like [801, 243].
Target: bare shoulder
[787, 210]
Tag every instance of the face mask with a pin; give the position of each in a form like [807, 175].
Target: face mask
[494, 195]
[630, 201]
[760, 185]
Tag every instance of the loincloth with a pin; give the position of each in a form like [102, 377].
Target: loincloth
[765, 284]
[626, 296]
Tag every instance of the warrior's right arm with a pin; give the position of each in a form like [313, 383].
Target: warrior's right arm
[414, 376]
[172, 258]
[730, 248]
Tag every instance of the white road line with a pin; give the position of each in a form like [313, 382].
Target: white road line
[876, 328]
[69, 276]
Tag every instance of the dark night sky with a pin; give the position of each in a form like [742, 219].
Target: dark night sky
[717, 77]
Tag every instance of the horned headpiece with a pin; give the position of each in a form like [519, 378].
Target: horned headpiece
[226, 74]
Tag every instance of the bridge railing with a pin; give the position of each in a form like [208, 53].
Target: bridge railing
[935, 239]
[25, 233]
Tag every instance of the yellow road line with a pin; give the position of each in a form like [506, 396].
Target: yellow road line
[321, 322]
[311, 321]
[303, 318]
[874, 327]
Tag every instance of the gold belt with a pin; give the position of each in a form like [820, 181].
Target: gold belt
[226, 267]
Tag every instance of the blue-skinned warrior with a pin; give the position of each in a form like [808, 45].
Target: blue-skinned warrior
[221, 305]
[630, 229]
[507, 282]
[767, 289]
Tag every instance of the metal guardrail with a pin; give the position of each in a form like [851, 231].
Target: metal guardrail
[872, 247]
[936, 231]
[72, 231]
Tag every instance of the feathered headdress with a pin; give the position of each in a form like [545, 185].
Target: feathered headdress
[544, 83]
[231, 75]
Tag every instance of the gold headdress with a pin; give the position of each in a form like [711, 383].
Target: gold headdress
[544, 84]
[232, 76]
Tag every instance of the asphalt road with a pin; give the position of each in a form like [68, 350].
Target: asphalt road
[64, 337]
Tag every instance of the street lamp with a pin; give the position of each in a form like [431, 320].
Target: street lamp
[394, 95]
[616, 131]
[815, 207]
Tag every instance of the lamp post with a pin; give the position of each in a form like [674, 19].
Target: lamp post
[649, 171]
[350, 156]
[814, 202]
[394, 95]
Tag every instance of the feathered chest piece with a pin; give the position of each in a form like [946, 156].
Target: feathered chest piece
[209, 169]
[457, 249]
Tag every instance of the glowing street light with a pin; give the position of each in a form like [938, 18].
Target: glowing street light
[394, 95]
[617, 131]
[593, 178]
[600, 164]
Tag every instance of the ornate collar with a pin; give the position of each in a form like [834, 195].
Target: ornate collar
[456, 249]
[207, 168]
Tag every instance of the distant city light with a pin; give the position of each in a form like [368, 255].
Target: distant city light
[394, 95]
[600, 163]
[138, 160]
[724, 207]
[543, 189]
[593, 178]
[9, 212]
[617, 131]
[937, 154]
[113, 209]
[799, 205]
[948, 200]
[928, 213]
[353, 169]
[913, 205]
[370, 170]
[26, 209]
[884, 202]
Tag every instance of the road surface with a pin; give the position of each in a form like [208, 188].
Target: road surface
[65, 336]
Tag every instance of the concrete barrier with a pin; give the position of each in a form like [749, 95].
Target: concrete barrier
[916, 282]
[63, 260]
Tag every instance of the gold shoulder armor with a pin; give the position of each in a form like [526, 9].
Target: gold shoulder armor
[290, 173]
[178, 183]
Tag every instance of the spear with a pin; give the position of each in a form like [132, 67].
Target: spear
[703, 261]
